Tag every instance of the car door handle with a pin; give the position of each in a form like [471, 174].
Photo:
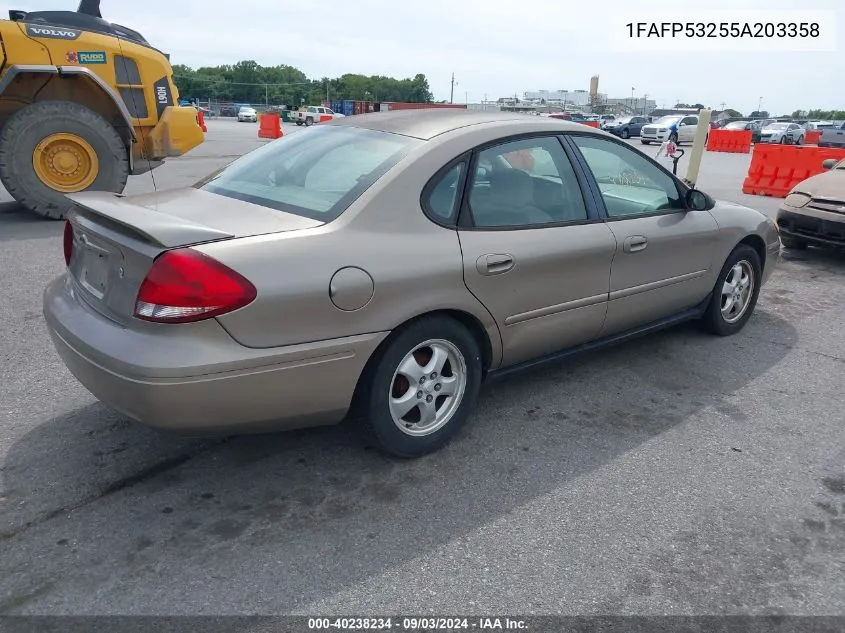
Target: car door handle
[494, 264]
[634, 243]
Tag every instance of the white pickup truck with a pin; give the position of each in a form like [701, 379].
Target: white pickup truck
[310, 115]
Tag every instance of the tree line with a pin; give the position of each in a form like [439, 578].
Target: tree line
[249, 82]
[812, 115]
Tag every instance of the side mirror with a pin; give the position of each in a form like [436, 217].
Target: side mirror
[829, 163]
[697, 200]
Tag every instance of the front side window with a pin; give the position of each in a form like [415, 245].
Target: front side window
[524, 183]
[630, 184]
[316, 173]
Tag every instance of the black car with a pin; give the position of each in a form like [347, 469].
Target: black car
[627, 127]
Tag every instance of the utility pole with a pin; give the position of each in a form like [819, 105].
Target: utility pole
[266, 97]
[760, 105]
[327, 92]
[645, 103]
[452, 93]
[633, 109]
[722, 105]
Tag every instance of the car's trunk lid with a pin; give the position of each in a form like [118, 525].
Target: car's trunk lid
[116, 239]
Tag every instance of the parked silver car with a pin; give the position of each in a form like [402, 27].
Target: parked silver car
[247, 114]
[781, 132]
[660, 131]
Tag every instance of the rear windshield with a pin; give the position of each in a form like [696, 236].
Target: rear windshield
[316, 173]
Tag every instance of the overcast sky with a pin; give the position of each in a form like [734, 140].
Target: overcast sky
[495, 47]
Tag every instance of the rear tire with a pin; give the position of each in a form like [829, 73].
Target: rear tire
[29, 126]
[733, 300]
[398, 372]
[309, 121]
[625, 133]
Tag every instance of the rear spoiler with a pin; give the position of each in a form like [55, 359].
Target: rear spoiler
[161, 229]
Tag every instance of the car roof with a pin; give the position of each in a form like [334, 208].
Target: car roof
[427, 123]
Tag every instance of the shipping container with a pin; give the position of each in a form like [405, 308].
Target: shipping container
[348, 108]
[424, 106]
[337, 106]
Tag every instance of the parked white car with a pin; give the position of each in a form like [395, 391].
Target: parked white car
[247, 114]
[659, 131]
[782, 132]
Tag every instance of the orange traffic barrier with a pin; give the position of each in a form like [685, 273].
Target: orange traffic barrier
[776, 169]
[812, 137]
[325, 117]
[201, 121]
[591, 123]
[732, 141]
[270, 126]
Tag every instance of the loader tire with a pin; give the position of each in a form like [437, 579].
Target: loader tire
[51, 148]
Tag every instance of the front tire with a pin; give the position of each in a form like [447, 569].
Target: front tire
[645, 142]
[735, 293]
[423, 387]
[309, 121]
[625, 133]
[52, 148]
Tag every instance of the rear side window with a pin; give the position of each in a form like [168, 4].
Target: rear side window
[442, 197]
[316, 173]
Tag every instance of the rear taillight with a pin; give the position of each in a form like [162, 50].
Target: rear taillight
[184, 286]
[68, 242]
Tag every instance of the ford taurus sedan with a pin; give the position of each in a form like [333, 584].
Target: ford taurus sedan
[380, 267]
[814, 211]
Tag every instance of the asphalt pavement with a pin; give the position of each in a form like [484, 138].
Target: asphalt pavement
[675, 474]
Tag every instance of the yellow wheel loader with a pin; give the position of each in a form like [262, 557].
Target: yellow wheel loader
[84, 103]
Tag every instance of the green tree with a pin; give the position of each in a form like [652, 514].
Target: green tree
[734, 114]
[249, 82]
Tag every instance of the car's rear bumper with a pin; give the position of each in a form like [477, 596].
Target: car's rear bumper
[195, 378]
[812, 225]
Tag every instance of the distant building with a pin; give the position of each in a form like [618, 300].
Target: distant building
[635, 105]
[574, 98]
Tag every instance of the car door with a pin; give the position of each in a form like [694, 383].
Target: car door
[686, 129]
[536, 252]
[637, 125]
[664, 251]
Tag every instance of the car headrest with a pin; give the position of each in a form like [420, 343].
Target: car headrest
[512, 187]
